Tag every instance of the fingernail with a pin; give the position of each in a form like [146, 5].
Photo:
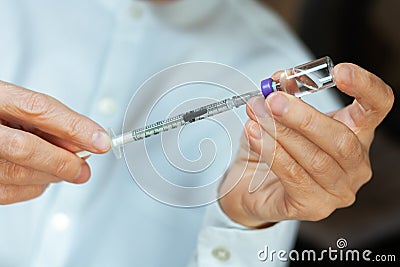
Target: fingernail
[345, 73]
[83, 175]
[101, 141]
[259, 108]
[279, 103]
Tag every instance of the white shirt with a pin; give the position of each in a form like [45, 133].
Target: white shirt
[92, 55]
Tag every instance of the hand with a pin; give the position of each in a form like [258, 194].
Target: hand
[38, 138]
[320, 160]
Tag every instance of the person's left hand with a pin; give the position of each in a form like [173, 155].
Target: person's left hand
[319, 160]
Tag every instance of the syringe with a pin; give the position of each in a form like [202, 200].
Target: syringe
[181, 119]
[299, 81]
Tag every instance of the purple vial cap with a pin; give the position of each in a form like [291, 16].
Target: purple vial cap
[266, 87]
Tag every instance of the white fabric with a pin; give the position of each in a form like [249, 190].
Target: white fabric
[92, 55]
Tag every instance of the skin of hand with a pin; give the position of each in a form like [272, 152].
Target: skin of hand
[38, 139]
[319, 161]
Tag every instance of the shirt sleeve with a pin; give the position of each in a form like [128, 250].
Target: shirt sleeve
[222, 242]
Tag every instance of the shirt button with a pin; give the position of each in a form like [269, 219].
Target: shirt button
[136, 12]
[221, 254]
[60, 221]
[107, 106]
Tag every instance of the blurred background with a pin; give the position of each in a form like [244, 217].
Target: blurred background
[364, 32]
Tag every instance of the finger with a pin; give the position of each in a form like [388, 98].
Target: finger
[258, 138]
[305, 198]
[295, 179]
[277, 75]
[16, 193]
[317, 163]
[261, 154]
[53, 140]
[374, 98]
[11, 173]
[330, 135]
[49, 115]
[253, 130]
[57, 141]
[30, 151]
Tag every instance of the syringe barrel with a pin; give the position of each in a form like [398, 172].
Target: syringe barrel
[240, 100]
[304, 79]
[299, 81]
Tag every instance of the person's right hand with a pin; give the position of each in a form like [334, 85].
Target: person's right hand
[38, 139]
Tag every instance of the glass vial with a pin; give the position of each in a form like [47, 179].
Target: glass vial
[303, 79]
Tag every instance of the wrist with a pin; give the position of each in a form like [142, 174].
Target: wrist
[235, 209]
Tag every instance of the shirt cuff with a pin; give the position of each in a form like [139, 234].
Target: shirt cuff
[223, 242]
